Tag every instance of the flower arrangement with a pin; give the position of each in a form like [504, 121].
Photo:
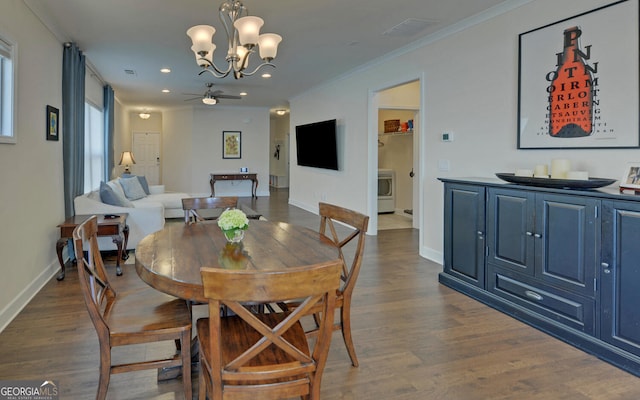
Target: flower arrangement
[233, 223]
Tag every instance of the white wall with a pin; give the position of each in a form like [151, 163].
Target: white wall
[192, 149]
[31, 198]
[470, 87]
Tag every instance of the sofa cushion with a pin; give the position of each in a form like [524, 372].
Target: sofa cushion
[171, 200]
[110, 196]
[115, 186]
[132, 188]
[142, 179]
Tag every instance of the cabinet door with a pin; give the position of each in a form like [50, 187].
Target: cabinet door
[464, 227]
[510, 225]
[620, 275]
[567, 235]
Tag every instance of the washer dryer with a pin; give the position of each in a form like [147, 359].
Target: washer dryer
[386, 191]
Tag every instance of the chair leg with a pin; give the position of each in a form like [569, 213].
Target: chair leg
[185, 344]
[202, 384]
[105, 373]
[345, 323]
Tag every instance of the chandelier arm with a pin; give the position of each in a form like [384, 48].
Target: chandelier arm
[211, 67]
[257, 68]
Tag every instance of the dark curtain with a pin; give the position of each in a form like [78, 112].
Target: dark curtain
[108, 131]
[73, 73]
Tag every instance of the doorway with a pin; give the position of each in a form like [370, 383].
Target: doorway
[146, 148]
[398, 127]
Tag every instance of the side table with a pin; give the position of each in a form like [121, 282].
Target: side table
[115, 227]
[244, 176]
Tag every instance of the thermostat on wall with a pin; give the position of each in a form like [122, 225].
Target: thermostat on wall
[447, 136]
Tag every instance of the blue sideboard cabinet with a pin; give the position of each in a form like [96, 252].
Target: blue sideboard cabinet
[564, 261]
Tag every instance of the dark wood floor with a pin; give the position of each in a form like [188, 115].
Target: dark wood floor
[415, 339]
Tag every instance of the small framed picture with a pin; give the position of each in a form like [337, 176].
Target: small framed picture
[631, 177]
[231, 144]
[52, 132]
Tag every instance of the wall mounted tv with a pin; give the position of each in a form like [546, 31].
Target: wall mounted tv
[317, 145]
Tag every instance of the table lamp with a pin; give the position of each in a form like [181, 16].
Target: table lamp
[127, 159]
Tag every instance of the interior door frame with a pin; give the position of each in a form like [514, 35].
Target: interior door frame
[418, 152]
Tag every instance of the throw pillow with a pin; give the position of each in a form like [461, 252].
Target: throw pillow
[132, 188]
[141, 178]
[109, 196]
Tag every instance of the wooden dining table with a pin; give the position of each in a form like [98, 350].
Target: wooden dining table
[170, 260]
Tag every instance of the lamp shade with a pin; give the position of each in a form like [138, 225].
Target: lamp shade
[202, 37]
[126, 158]
[268, 44]
[248, 29]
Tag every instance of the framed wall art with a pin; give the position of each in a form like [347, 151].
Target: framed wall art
[576, 89]
[231, 144]
[52, 132]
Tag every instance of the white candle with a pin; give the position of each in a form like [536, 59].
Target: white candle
[559, 168]
[524, 172]
[541, 171]
[578, 175]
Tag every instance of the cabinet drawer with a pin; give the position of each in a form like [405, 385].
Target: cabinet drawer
[567, 308]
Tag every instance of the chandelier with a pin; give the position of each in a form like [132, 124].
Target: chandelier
[243, 35]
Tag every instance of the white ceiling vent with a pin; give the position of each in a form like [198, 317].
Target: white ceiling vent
[409, 27]
[130, 72]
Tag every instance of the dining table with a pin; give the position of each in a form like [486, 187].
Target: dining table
[170, 259]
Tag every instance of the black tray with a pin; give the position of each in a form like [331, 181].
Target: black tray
[592, 183]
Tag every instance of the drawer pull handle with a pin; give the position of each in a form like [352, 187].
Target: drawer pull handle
[533, 295]
[537, 236]
[529, 233]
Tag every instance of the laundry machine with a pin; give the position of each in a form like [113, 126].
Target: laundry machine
[386, 191]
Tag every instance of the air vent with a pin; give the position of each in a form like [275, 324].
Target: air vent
[409, 27]
[129, 72]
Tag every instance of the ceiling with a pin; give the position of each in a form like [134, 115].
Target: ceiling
[321, 40]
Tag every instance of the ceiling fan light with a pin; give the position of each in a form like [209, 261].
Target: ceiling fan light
[202, 37]
[209, 101]
[248, 30]
[268, 44]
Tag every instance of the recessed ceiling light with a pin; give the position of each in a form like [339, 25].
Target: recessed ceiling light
[243, 93]
[165, 70]
[166, 91]
[281, 112]
[266, 75]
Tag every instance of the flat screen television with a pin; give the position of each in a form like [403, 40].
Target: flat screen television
[317, 145]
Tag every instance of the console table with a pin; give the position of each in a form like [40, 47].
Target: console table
[243, 176]
[115, 227]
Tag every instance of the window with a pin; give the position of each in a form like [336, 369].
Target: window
[7, 92]
[93, 147]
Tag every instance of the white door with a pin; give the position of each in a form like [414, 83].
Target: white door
[146, 150]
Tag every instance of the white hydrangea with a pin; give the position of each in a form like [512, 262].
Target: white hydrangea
[233, 219]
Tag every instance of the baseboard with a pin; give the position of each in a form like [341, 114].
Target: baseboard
[24, 297]
[432, 255]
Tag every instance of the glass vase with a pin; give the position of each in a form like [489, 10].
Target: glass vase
[234, 235]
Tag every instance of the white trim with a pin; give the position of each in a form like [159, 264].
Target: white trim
[19, 302]
[10, 47]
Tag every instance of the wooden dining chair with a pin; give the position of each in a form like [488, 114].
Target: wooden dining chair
[351, 255]
[251, 355]
[191, 205]
[139, 315]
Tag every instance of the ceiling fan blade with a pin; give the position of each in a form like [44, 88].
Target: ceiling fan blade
[191, 94]
[193, 98]
[216, 92]
[228, 96]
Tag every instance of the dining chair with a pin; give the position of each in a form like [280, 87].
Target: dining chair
[249, 355]
[139, 315]
[351, 256]
[191, 205]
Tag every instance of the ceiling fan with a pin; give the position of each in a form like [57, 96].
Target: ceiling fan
[210, 97]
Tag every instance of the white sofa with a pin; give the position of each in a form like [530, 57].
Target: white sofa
[146, 215]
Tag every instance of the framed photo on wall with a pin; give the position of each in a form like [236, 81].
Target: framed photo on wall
[52, 132]
[578, 81]
[231, 144]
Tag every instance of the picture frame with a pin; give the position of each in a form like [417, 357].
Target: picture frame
[631, 177]
[231, 144]
[570, 79]
[52, 124]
